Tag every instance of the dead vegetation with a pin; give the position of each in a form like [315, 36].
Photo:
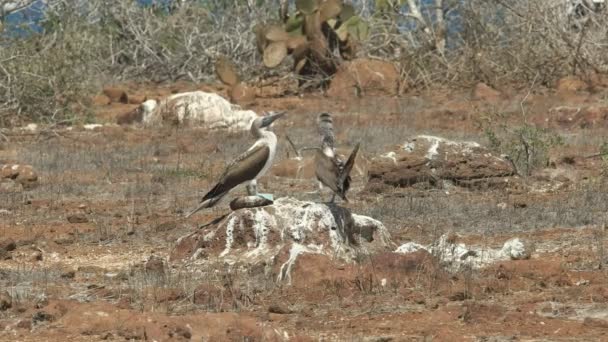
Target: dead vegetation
[50, 68]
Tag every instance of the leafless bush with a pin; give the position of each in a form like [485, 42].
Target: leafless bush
[49, 73]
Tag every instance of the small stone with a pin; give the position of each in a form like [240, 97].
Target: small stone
[24, 324]
[8, 245]
[6, 301]
[595, 322]
[37, 256]
[42, 316]
[484, 92]
[155, 264]
[77, 218]
[281, 309]
[10, 186]
[116, 94]
[68, 274]
[242, 93]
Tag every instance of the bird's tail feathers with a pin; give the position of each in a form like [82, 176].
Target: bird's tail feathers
[208, 203]
[348, 165]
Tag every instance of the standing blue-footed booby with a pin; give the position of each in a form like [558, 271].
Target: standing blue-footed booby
[331, 170]
[247, 167]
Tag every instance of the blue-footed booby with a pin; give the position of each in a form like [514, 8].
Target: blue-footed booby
[331, 170]
[247, 167]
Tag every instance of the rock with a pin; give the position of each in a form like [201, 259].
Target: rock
[21, 173]
[570, 84]
[10, 186]
[453, 254]
[280, 309]
[517, 249]
[197, 108]
[24, 324]
[595, 323]
[8, 245]
[364, 77]
[71, 274]
[241, 93]
[155, 264]
[42, 316]
[180, 332]
[594, 116]
[483, 92]
[249, 202]
[116, 94]
[277, 234]
[101, 100]
[6, 301]
[430, 161]
[136, 99]
[77, 218]
[410, 247]
[37, 256]
[131, 117]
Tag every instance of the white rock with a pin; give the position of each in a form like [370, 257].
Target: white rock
[91, 127]
[456, 255]
[198, 108]
[516, 249]
[409, 247]
[254, 235]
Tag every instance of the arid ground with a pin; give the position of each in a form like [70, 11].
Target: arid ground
[84, 248]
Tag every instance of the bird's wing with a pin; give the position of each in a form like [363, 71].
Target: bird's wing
[244, 168]
[350, 162]
[327, 170]
[344, 179]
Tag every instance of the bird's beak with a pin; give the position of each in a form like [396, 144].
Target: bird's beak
[267, 120]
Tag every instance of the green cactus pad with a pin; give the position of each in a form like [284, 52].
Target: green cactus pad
[274, 54]
[330, 9]
[226, 71]
[347, 12]
[276, 33]
[307, 6]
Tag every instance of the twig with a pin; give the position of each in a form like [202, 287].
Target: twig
[300, 150]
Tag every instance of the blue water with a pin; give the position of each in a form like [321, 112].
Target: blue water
[29, 20]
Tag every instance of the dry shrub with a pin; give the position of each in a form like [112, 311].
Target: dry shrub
[49, 74]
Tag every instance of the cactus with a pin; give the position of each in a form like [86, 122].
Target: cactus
[226, 71]
[274, 54]
[309, 35]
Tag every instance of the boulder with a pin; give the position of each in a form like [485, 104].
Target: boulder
[455, 255]
[568, 117]
[241, 93]
[277, 234]
[23, 174]
[197, 108]
[483, 92]
[364, 77]
[431, 161]
[116, 94]
[570, 84]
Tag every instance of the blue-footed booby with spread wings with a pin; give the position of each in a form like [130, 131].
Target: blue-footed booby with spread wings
[331, 170]
[247, 167]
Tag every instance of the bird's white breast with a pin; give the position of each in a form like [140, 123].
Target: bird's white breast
[270, 140]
